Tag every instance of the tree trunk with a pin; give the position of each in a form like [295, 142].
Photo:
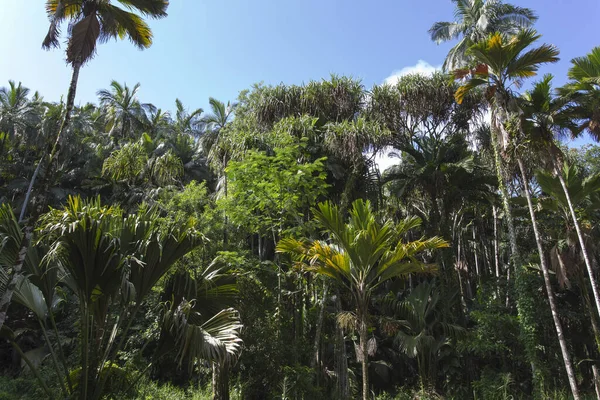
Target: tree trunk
[364, 356]
[477, 272]
[496, 251]
[596, 380]
[524, 302]
[549, 290]
[61, 131]
[341, 361]
[588, 263]
[315, 361]
[220, 380]
[7, 297]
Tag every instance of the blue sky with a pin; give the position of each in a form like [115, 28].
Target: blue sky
[217, 48]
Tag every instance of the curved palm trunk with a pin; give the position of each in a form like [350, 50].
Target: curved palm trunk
[63, 128]
[588, 263]
[7, 297]
[549, 290]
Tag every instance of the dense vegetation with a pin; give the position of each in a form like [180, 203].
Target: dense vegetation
[256, 251]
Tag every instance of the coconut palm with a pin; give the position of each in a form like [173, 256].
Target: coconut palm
[220, 115]
[125, 115]
[159, 124]
[91, 21]
[17, 111]
[362, 254]
[473, 21]
[502, 63]
[583, 90]
[186, 122]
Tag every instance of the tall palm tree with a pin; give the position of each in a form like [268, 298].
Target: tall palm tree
[221, 114]
[445, 170]
[362, 254]
[583, 90]
[545, 117]
[90, 22]
[215, 145]
[501, 63]
[125, 115]
[213, 142]
[473, 21]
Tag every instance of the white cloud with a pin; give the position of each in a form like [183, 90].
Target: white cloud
[422, 67]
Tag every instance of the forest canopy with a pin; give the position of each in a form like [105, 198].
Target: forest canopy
[256, 249]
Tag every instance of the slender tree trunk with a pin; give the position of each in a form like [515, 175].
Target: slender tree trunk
[341, 360]
[477, 272]
[496, 250]
[364, 355]
[549, 290]
[588, 263]
[458, 264]
[596, 380]
[61, 131]
[524, 302]
[315, 361]
[220, 380]
[225, 219]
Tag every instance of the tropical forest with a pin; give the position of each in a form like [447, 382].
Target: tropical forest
[257, 249]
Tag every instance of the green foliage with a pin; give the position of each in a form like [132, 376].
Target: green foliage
[219, 234]
[272, 194]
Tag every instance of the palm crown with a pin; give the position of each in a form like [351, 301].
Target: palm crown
[91, 21]
[474, 21]
[583, 89]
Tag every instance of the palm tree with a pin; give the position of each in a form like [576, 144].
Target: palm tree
[501, 63]
[473, 21]
[17, 111]
[188, 123]
[208, 295]
[583, 90]
[445, 170]
[125, 115]
[113, 261]
[91, 21]
[420, 331]
[362, 254]
[545, 117]
[159, 124]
